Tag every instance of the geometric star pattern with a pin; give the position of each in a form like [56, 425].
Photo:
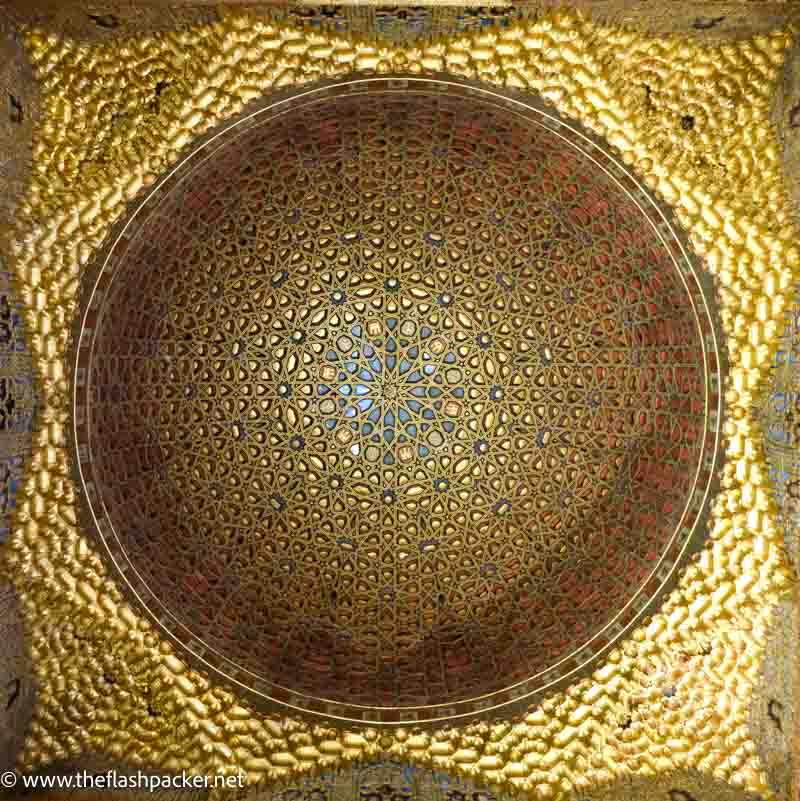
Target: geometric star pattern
[397, 399]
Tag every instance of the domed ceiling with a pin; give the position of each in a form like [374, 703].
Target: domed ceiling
[393, 401]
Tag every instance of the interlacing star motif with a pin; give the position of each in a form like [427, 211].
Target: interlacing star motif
[399, 402]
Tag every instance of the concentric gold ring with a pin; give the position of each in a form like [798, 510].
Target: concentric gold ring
[397, 400]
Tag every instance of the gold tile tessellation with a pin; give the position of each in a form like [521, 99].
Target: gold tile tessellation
[116, 116]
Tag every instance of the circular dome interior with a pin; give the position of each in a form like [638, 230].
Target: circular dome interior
[393, 401]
